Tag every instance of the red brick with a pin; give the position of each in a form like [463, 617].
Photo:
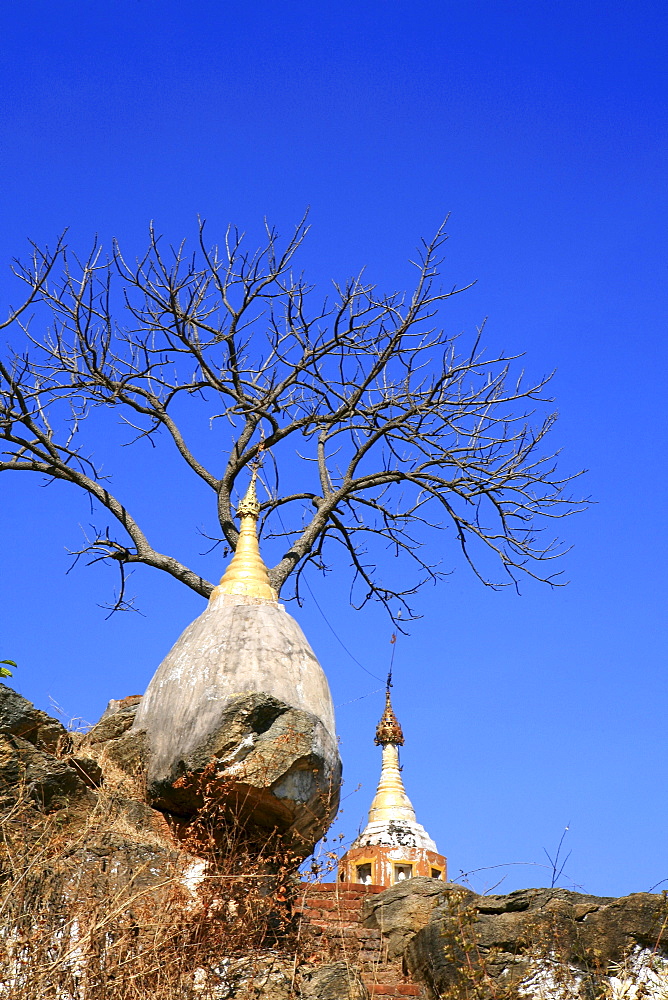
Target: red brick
[326, 904]
[337, 923]
[333, 905]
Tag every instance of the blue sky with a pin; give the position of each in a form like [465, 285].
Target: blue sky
[541, 128]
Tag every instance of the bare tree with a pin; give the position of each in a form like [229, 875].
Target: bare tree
[406, 433]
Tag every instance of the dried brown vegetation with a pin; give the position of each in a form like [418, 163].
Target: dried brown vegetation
[94, 904]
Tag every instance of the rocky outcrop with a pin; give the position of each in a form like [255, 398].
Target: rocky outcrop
[92, 874]
[276, 977]
[45, 766]
[18, 717]
[27, 771]
[126, 749]
[117, 718]
[241, 695]
[36, 758]
[456, 942]
[94, 882]
[401, 911]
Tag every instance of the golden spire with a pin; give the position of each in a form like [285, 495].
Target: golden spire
[388, 729]
[247, 574]
[390, 801]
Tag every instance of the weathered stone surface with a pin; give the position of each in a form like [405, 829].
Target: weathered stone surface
[29, 767]
[337, 981]
[88, 770]
[242, 690]
[129, 752]
[26, 771]
[125, 748]
[19, 717]
[116, 720]
[252, 977]
[129, 703]
[271, 767]
[400, 912]
[515, 937]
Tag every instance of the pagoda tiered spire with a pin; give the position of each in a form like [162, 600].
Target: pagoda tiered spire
[393, 846]
[247, 574]
[391, 801]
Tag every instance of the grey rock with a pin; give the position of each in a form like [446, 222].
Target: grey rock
[253, 977]
[140, 816]
[108, 864]
[19, 717]
[88, 770]
[129, 752]
[116, 705]
[241, 690]
[474, 941]
[29, 767]
[270, 766]
[336, 981]
[26, 771]
[401, 911]
[116, 720]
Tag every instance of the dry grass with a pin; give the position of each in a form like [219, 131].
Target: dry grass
[99, 903]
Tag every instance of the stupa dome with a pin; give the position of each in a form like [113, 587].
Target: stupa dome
[237, 645]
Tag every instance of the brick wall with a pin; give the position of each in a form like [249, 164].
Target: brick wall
[332, 929]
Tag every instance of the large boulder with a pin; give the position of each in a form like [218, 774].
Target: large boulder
[335, 981]
[112, 735]
[402, 910]
[19, 717]
[29, 773]
[269, 763]
[241, 698]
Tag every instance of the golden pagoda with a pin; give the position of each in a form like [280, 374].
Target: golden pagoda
[247, 575]
[393, 846]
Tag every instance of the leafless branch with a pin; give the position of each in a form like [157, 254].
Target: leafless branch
[387, 430]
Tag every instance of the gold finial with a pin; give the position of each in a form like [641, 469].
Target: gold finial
[390, 801]
[250, 505]
[388, 729]
[247, 574]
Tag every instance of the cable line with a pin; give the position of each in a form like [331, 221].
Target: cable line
[331, 627]
[337, 637]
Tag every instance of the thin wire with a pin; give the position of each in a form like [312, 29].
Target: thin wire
[337, 637]
[362, 697]
[331, 627]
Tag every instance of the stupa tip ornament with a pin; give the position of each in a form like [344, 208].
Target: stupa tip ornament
[250, 505]
[388, 729]
[247, 575]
